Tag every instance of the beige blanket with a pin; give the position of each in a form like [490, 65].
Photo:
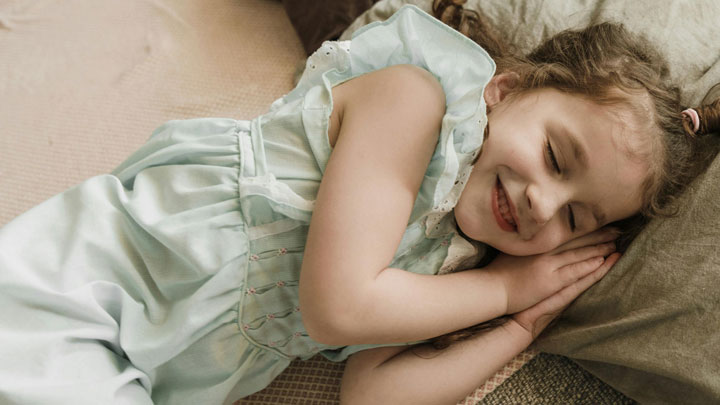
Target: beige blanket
[84, 82]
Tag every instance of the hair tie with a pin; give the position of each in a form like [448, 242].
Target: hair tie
[694, 117]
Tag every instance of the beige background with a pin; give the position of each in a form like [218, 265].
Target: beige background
[84, 82]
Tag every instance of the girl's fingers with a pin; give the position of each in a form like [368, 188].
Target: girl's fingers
[537, 317]
[568, 294]
[584, 253]
[573, 272]
[596, 237]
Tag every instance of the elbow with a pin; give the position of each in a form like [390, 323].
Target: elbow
[334, 325]
[335, 313]
[325, 333]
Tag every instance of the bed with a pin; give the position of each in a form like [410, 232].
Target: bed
[84, 83]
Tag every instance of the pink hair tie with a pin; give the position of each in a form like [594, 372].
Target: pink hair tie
[693, 115]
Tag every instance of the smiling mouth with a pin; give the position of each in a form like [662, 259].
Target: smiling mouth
[501, 208]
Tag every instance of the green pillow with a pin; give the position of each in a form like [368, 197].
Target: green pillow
[650, 327]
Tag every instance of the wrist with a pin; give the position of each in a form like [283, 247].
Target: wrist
[501, 285]
[518, 331]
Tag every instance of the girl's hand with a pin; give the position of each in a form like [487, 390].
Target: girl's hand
[530, 279]
[537, 317]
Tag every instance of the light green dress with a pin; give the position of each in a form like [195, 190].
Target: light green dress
[174, 280]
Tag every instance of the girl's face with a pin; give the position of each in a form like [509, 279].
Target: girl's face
[551, 169]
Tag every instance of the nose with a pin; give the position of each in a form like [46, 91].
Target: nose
[543, 202]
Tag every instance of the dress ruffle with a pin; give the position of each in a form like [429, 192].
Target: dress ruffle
[463, 68]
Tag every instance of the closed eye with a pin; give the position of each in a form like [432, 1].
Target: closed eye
[551, 155]
[556, 166]
[571, 218]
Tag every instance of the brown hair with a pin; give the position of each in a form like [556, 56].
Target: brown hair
[608, 65]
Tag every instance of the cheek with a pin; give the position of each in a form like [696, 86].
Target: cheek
[516, 155]
[547, 239]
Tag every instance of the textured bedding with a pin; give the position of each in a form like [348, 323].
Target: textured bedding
[649, 328]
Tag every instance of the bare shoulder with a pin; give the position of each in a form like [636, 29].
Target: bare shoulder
[400, 91]
[385, 126]
[407, 82]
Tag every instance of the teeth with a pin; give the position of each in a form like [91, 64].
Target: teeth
[504, 207]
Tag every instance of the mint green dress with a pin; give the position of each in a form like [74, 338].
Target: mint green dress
[174, 280]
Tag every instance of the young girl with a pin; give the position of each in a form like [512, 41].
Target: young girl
[223, 249]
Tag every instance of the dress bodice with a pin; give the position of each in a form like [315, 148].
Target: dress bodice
[284, 159]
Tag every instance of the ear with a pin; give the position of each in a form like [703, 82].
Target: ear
[500, 86]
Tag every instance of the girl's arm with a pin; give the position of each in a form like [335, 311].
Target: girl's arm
[423, 375]
[385, 127]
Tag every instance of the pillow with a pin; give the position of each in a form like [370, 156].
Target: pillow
[318, 20]
[650, 327]
[687, 36]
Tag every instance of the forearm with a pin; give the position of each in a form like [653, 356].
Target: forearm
[423, 375]
[400, 306]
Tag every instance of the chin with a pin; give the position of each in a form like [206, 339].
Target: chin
[518, 247]
[509, 248]
[506, 242]
[467, 228]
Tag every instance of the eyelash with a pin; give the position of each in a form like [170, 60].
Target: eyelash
[551, 154]
[556, 166]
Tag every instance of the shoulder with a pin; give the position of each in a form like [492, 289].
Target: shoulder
[399, 82]
[403, 93]
[413, 78]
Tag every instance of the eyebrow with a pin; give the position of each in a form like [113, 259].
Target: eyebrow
[577, 149]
